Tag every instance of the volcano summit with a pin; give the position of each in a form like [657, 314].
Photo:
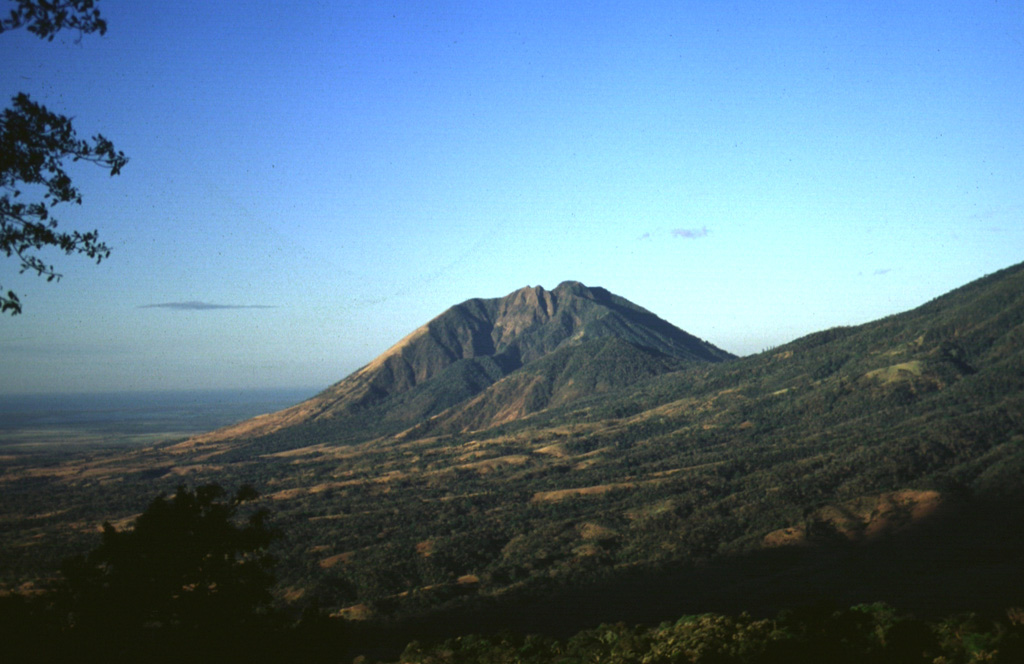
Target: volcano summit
[474, 345]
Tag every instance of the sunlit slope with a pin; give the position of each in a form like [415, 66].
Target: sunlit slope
[602, 457]
[474, 344]
[848, 435]
[586, 369]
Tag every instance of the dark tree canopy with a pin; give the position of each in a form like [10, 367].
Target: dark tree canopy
[189, 582]
[44, 18]
[186, 563]
[35, 146]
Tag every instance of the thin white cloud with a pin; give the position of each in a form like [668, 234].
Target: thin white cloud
[194, 305]
[690, 233]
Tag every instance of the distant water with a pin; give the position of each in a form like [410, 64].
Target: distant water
[120, 414]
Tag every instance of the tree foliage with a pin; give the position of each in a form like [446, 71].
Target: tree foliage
[44, 18]
[36, 144]
[866, 633]
[186, 563]
[190, 581]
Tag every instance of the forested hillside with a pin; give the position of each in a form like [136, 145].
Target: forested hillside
[605, 481]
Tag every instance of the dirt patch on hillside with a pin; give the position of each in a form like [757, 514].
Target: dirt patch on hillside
[792, 536]
[195, 468]
[319, 448]
[897, 372]
[495, 463]
[293, 594]
[562, 494]
[331, 561]
[860, 520]
[516, 408]
[358, 612]
[595, 531]
[295, 492]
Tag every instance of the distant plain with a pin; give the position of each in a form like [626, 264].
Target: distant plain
[52, 423]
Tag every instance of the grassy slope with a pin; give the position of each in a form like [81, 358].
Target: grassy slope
[631, 487]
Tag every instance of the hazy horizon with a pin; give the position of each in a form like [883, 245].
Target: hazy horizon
[308, 183]
[222, 392]
[74, 421]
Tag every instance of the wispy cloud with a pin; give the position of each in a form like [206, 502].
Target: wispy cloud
[203, 306]
[995, 212]
[879, 273]
[690, 233]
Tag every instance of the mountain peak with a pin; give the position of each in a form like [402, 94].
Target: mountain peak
[530, 297]
[573, 287]
[473, 344]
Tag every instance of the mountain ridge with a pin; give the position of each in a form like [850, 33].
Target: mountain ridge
[491, 338]
[605, 462]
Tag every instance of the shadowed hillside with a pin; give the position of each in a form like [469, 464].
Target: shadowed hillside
[838, 461]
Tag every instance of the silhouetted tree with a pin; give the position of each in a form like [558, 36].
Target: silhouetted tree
[189, 582]
[44, 18]
[35, 145]
[188, 575]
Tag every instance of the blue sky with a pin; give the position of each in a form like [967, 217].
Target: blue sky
[332, 175]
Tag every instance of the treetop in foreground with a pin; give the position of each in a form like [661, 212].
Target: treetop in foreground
[45, 18]
[35, 146]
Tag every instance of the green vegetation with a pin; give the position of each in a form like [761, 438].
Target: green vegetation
[864, 634]
[186, 582]
[879, 462]
[190, 581]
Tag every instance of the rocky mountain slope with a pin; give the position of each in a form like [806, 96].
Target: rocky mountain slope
[461, 352]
